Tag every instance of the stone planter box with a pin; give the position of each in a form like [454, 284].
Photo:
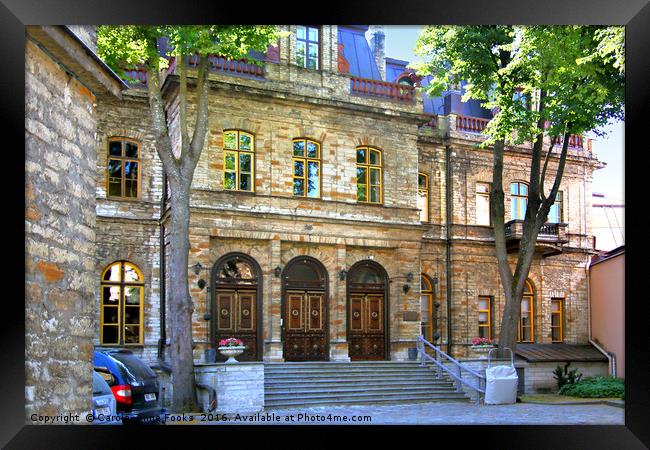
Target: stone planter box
[239, 387]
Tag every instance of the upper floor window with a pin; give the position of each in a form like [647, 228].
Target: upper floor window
[123, 168]
[423, 197]
[307, 46]
[555, 213]
[239, 161]
[518, 200]
[483, 204]
[306, 168]
[369, 185]
[122, 305]
[526, 328]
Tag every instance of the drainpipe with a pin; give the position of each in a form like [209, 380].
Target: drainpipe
[163, 335]
[611, 357]
[448, 200]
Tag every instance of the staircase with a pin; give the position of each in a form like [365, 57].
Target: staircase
[293, 385]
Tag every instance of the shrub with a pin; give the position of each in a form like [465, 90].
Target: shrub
[596, 387]
[564, 377]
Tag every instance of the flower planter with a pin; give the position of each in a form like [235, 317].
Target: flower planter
[230, 352]
[482, 350]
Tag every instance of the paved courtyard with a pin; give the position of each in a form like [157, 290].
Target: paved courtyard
[434, 414]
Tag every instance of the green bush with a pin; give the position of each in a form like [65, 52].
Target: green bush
[564, 377]
[595, 387]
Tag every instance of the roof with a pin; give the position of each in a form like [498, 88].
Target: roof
[604, 256]
[356, 50]
[559, 353]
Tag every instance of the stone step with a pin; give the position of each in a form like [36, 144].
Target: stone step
[367, 372]
[368, 369]
[293, 402]
[343, 364]
[414, 378]
[361, 384]
[330, 391]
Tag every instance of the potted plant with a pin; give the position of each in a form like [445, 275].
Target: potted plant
[230, 348]
[482, 345]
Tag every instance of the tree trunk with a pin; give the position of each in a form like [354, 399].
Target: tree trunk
[180, 301]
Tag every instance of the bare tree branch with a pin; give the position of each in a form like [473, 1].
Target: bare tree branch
[182, 98]
[201, 128]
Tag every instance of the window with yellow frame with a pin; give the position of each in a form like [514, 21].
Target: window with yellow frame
[123, 168]
[122, 305]
[557, 331]
[485, 316]
[426, 301]
[369, 177]
[306, 168]
[526, 329]
[423, 197]
[239, 161]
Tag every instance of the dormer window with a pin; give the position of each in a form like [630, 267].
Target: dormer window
[307, 46]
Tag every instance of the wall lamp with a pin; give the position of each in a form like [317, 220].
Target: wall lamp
[197, 268]
[343, 274]
[409, 277]
[277, 271]
[406, 288]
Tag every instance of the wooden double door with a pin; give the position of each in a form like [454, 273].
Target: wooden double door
[236, 314]
[366, 333]
[305, 326]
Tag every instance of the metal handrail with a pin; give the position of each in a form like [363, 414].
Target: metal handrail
[421, 342]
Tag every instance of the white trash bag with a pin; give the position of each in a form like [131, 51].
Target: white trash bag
[501, 384]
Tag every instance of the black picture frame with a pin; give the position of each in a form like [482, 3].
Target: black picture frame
[635, 14]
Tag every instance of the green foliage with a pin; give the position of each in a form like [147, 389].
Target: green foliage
[570, 76]
[596, 387]
[123, 46]
[566, 377]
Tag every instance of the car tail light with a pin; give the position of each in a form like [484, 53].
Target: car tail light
[122, 393]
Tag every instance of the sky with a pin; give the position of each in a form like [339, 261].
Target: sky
[399, 44]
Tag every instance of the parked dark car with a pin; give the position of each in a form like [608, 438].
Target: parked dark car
[135, 386]
[104, 404]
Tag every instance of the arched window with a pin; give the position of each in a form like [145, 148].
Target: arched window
[122, 305]
[426, 300]
[306, 168]
[526, 331]
[518, 199]
[123, 168]
[423, 197]
[369, 178]
[239, 161]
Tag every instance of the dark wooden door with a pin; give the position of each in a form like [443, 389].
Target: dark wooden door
[366, 334]
[236, 317]
[305, 326]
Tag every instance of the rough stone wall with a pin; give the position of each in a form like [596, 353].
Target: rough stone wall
[60, 277]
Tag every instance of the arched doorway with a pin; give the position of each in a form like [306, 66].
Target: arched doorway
[429, 310]
[237, 304]
[305, 311]
[367, 312]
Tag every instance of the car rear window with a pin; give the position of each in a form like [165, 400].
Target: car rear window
[99, 385]
[132, 367]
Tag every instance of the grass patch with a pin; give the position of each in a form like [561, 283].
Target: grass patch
[558, 399]
[595, 387]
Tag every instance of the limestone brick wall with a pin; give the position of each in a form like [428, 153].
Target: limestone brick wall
[60, 278]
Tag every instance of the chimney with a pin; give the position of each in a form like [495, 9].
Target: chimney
[377, 45]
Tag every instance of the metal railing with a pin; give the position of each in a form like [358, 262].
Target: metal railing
[456, 374]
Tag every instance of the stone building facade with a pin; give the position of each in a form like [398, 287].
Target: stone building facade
[330, 276]
[63, 84]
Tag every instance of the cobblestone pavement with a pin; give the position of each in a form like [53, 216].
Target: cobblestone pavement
[439, 414]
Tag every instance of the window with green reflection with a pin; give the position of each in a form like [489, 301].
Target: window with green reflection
[369, 177]
[238, 161]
